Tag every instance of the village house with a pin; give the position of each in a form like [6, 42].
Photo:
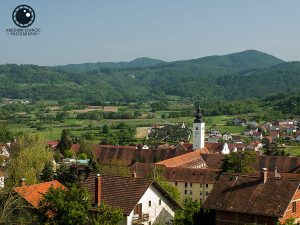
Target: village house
[275, 135]
[254, 199]
[227, 136]
[194, 183]
[213, 139]
[250, 131]
[239, 122]
[142, 201]
[257, 136]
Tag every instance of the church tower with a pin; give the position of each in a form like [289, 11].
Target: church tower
[198, 130]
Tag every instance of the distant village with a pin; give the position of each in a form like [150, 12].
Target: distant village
[270, 194]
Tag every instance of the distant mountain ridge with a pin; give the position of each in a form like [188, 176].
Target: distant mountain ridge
[136, 63]
[247, 74]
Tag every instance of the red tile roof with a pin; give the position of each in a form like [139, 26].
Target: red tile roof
[248, 194]
[122, 192]
[185, 159]
[178, 174]
[34, 193]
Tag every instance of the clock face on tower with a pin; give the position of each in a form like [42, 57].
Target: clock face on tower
[196, 133]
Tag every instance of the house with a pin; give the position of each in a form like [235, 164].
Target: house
[267, 139]
[1, 179]
[237, 139]
[235, 147]
[194, 183]
[214, 132]
[239, 122]
[254, 146]
[254, 199]
[266, 126]
[227, 137]
[257, 136]
[33, 194]
[141, 200]
[253, 124]
[213, 139]
[275, 135]
[249, 132]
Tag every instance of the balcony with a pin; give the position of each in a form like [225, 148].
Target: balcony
[139, 219]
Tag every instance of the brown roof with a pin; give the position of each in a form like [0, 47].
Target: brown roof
[179, 174]
[175, 174]
[213, 161]
[214, 147]
[129, 154]
[122, 192]
[34, 193]
[248, 194]
[185, 160]
[284, 164]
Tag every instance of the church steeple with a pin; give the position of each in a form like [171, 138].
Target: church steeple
[198, 129]
[198, 115]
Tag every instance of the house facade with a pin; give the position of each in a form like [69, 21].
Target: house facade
[1, 179]
[142, 201]
[254, 199]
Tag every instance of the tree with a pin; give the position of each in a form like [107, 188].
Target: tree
[107, 216]
[28, 159]
[71, 207]
[105, 129]
[65, 142]
[66, 206]
[239, 162]
[47, 174]
[189, 213]
[289, 221]
[14, 210]
[5, 134]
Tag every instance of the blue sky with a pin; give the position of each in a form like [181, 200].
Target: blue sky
[81, 31]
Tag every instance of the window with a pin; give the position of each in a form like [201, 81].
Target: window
[200, 193]
[185, 191]
[191, 184]
[294, 207]
[175, 183]
[206, 193]
[149, 223]
[159, 202]
[200, 185]
[149, 203]
[206, 185]
[197, 128]
[191, 192]
[138, 210]
[185, 185]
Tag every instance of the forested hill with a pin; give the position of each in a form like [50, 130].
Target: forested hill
[87, 67]
[235, 76]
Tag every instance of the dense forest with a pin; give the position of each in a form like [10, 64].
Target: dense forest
[248, 74]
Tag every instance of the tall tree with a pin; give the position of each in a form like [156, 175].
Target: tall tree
[47, 174]
[239, 162]
[28, 159]
[65, 142]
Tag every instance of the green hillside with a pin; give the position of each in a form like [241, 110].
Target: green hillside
[236, 76]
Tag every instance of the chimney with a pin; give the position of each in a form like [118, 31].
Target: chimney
[22, 182]
[97, 189]
[134, 175]
[264, 175]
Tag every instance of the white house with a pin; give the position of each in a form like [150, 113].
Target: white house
[142, 201]
[213, 139]
[1, 179]
[227, 137]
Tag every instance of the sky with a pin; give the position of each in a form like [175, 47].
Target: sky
[81, 31]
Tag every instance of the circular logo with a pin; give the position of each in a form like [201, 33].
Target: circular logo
[23, 16]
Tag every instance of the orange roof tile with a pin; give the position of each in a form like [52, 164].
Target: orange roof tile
[183, 159]
[33, 194]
